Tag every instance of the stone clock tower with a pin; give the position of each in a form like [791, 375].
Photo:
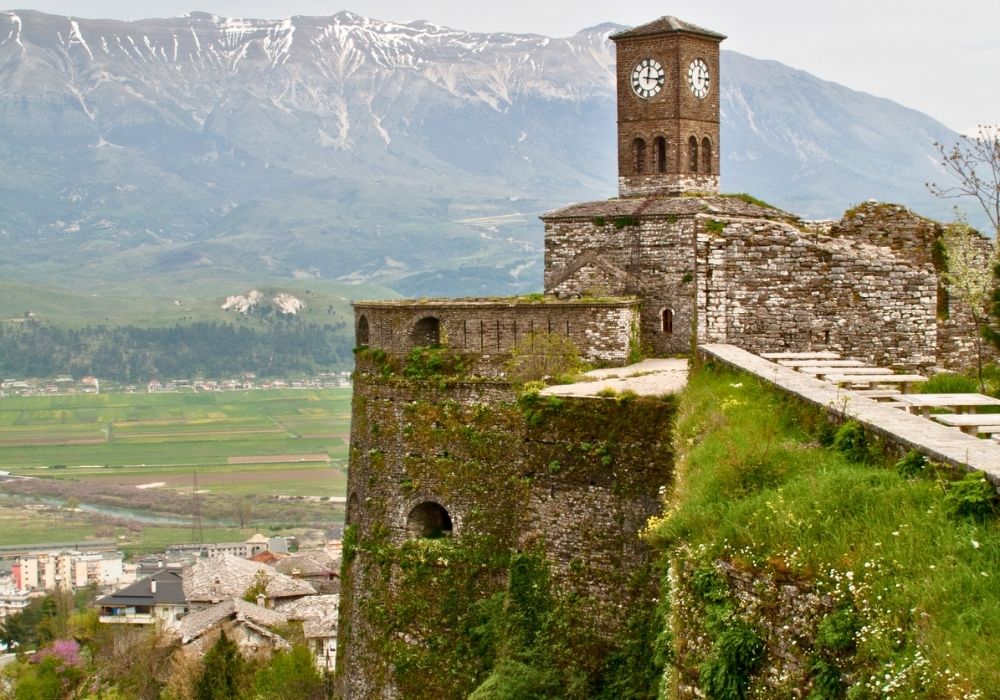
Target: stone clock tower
[668, 108]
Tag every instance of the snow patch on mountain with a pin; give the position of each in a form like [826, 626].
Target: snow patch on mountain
[254, 301]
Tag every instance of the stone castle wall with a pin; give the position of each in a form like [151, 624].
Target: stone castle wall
[652, 259]
[766, 286]
[572, 479]
[487, 331]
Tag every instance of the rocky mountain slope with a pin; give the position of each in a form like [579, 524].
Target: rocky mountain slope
[352, 149]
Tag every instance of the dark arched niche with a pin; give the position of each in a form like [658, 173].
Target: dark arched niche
[429, 519]
[426, 333]
[362, 334]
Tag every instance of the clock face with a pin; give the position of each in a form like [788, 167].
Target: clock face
[698, 78]
[647, 78]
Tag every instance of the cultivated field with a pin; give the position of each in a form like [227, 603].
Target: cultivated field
[237, 445]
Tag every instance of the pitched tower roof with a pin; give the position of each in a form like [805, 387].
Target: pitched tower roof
[666, 25]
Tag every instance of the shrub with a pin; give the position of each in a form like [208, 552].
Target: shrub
[851, 442]
[971, 497]
[911, 465]
[541, 354]
[950, 383]
[737, 652]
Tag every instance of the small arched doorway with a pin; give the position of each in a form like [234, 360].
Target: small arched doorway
[362, 333]
[667, 321]
[429, 519]
[426, 333]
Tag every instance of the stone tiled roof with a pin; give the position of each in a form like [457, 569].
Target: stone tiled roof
[305, 564]
[669, 206]
[227, 576]
[169, 591]
[196, 624]
[318, 614]
[666, 25]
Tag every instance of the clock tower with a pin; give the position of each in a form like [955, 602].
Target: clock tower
[668, 108]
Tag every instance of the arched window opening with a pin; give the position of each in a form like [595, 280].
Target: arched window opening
[639, 156]
[429, 519]
[426, 333]
[667, 321]
[693, 153]
[706, 155]
[660, 149]
[352, 509]
[362, 334]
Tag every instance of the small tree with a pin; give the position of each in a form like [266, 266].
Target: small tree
[974, 163]
[969, 276]
[539, 354]
[224, 672]
[257, 587]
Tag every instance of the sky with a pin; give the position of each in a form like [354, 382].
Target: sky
[938, 57]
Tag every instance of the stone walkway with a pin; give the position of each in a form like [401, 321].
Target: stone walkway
[938, 442]
[646, 378]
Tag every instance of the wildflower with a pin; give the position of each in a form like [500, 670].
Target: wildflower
[975, 545]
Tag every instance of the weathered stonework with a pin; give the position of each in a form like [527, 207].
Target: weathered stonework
[487, 331]
[574, 480]
[869, 286]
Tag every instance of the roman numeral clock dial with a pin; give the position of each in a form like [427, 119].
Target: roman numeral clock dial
[647, 78]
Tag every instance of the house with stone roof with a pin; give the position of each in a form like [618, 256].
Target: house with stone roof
[319, 615]
[317, 566]
[251, 626]
[213, 580]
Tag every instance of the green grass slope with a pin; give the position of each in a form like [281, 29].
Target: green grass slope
[827, 570]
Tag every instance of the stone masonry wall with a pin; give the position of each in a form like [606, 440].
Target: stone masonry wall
[644, 256]
[488, 331]
[574, 479]
[767, 286]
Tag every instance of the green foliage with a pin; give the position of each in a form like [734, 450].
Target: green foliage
[542, 355]
[827, 681]
[599, 221]
[203, 349]
[224, 672]
[949, 383]
[750, 199]
[257, 587]
[715, 226]
[737, 652]
[836, 632]
[850, 440]
[625, 221]
[513, 680]
[434, 363]
[973, 497]
[911, 464]
[895, 561]
[687, 277]
[290, 674]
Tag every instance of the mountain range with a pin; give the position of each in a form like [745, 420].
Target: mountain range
[203, 153]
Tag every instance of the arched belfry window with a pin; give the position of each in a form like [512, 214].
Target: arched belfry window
[639, 156]
[362, 334]
[429, 519]
[660, 154]
[667, 321]
[693, 153]
[426, 333]
[706, 155]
